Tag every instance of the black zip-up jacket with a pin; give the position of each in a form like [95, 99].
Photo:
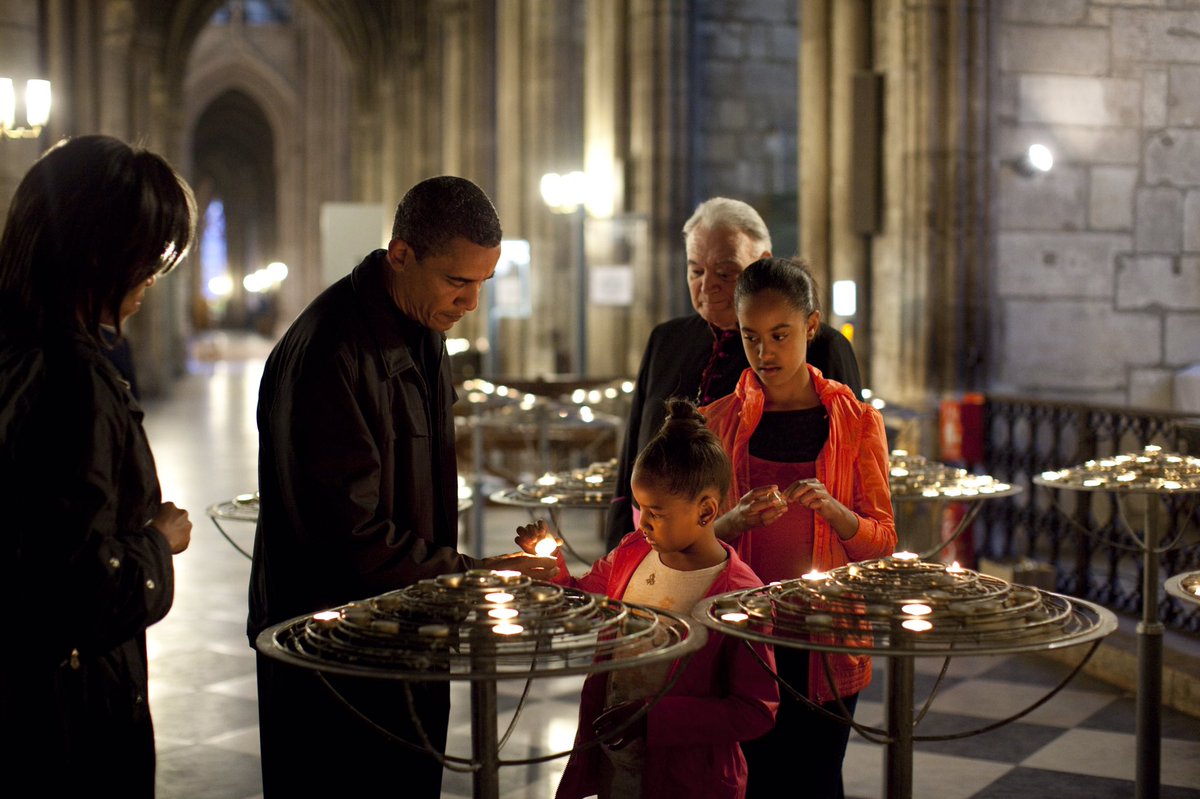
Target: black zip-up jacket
[356, 464]
[85, 575]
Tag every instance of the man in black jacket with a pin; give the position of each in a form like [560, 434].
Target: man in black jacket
[700, 356]
[358, 479]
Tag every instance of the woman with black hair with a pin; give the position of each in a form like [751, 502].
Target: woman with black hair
[87, 538]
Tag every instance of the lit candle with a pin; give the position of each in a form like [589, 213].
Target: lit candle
[916, 609]
[1153, 448]
[916, 625]
[549, 500]
[954, 568]
[545, 547]
[594, 479]
[815, 575]
[905, 556]
[734, 617]
[1050, 476]
[327, 618]
[498, 597]
[507, 629]
[506, 575]
[503, 613]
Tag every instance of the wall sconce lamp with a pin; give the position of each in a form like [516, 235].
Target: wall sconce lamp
[1037, 160]
[37, 108]
[564, 194]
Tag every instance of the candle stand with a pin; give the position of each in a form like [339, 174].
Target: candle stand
[1185, 587]
[901, 608]
[483, 626]
[583, 489]
[1153, 474]
[916, 481]
[510, 420]
[242, 508]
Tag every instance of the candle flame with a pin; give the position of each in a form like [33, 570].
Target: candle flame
[815, 575]
[917, 609]
[506, 574]
[916, 625]
[545, 547]
[954, 568]
[734, 617]
[498, 597]
[502, 613]
[507, 629]
[327, 615]
[905, 556]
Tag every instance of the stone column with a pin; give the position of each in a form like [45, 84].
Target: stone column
[660, 185]
[928, 323]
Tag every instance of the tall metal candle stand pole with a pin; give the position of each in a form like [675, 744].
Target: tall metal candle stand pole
[1153, 474]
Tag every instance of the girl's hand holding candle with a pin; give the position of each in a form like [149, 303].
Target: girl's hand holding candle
[536, 539]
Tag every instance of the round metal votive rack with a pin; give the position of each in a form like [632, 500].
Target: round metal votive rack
[242, 508]
[1156, 474]
[590, 488]
[902, 607]
[245, 508]
[1185, 587]
[914, 479]
[483, 626]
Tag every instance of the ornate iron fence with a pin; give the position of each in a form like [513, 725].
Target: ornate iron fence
[1084, 535]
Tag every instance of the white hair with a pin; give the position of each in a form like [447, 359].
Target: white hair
[718, 212]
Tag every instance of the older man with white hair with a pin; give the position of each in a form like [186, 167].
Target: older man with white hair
[700, 356]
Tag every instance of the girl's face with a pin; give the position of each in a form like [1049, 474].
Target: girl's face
[672, 523]
[775, 336]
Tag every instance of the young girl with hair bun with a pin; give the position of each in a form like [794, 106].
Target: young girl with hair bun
[786, 425]
[688, 742]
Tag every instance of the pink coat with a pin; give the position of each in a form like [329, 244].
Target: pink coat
[853, 466]
[692, 734]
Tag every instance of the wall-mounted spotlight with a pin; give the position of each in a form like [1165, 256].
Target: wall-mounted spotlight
[1037, 160]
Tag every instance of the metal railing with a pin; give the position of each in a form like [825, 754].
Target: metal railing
[1085, 535]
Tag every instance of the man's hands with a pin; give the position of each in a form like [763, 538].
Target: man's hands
[529, 565]
[174, 525]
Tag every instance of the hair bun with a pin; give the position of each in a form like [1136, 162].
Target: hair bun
[682, 417]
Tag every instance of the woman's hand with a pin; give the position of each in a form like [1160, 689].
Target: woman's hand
[758, 507]
[174, 525]
[813, 495]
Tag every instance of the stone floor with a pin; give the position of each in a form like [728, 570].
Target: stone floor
[1080, 744]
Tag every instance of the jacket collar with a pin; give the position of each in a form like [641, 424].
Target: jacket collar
[387, 324]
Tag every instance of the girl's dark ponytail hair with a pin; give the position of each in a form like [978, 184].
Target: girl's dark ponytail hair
[790, 279]
[685, 457]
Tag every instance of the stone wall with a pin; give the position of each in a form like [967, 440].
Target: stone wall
[1096, 265]
[744, 109]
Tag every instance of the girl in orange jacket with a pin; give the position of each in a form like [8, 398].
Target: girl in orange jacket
[786, 425]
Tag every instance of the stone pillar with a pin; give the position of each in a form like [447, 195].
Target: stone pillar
[539, 129]
[920, 275]
[660, 184]
[835, 49]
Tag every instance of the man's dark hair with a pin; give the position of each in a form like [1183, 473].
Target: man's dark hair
[90, 221]
[438, 210]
